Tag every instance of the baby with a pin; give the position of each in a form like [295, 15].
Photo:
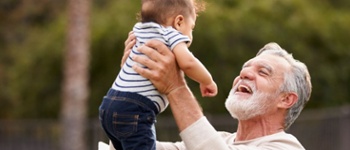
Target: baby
[128, 111]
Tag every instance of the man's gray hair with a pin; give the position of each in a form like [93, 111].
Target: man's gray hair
[297, 80]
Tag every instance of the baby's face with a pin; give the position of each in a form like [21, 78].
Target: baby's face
[188, 26]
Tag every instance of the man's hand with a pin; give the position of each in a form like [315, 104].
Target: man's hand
[129, 43]
[161, 69]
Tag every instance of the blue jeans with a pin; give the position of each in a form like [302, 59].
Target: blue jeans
[128, 120]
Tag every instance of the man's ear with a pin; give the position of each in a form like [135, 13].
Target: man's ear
[178, 21]
[288, 100]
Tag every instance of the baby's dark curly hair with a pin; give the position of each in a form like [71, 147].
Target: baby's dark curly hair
[160, 10]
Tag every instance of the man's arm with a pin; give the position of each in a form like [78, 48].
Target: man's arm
[196, 131]
[184, 107]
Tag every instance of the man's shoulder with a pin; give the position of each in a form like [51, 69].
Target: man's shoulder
[228, 136]
[282, 135]
[280, 139]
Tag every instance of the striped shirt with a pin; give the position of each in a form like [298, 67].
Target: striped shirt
[130, 81]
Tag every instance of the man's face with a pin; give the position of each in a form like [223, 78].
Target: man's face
[256, 90]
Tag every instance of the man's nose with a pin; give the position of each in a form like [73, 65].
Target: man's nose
[247, 73]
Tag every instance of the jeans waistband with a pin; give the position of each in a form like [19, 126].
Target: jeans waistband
[140, 98]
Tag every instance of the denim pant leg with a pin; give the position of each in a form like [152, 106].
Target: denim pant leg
[128, 122]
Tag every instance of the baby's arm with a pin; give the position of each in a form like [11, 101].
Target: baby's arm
[195, 70]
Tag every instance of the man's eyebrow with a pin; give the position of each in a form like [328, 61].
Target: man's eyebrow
[260, 65]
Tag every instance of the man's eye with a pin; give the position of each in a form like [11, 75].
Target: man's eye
[263, 72]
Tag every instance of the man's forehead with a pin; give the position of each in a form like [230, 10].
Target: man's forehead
[267, 60]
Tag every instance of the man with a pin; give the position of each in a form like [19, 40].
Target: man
[266, 98]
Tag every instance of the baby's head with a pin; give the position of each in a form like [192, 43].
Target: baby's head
[180, 14]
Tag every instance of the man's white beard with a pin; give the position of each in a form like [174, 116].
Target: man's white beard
[244, 109]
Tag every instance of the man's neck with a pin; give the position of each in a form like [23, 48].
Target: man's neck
[257, 127]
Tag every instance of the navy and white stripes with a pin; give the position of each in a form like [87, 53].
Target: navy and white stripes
[130, 81]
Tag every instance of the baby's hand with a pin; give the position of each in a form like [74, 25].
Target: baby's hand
[209, 90]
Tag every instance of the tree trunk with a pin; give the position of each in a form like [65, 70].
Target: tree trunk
[75, 89]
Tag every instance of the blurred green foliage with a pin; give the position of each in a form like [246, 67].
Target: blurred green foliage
[228, 33]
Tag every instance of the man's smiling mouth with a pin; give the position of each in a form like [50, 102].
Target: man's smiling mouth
[244, 89]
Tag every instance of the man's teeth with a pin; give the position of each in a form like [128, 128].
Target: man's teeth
[245, 89]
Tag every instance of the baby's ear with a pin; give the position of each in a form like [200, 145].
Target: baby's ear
[288, 100]
[179, 20]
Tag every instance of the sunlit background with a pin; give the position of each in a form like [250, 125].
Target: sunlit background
[33, 48]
